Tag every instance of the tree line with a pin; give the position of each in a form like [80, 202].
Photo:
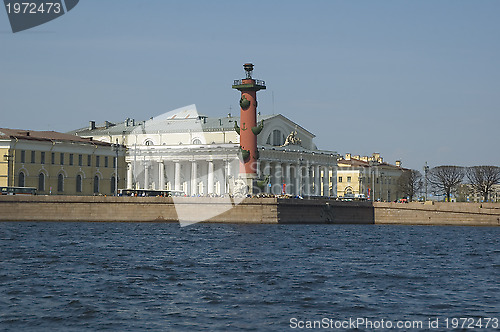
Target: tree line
[445, 180]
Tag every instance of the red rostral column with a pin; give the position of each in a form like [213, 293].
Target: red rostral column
[248, 128]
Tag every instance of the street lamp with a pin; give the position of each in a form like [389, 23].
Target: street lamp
[116, 148]
[426, 170]
[8, 158]
[381, 186]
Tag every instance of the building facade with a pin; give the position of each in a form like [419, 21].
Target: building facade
[465, 193]
[186, 151]
[60, 164]
[368, 177]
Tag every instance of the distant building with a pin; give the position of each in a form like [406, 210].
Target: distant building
[184, 150]
[59, 164]
[368, 177]
[470, 195]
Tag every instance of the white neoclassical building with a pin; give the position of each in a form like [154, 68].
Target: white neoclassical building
[184, 150]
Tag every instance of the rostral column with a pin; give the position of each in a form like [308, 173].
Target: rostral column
[248, 128]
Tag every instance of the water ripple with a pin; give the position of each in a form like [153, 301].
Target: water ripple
[160, 277]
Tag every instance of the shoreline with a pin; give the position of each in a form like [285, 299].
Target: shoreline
[190, 210]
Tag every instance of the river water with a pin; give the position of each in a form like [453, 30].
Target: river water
[225, 277]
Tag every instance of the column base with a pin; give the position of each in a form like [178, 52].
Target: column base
[246, 184]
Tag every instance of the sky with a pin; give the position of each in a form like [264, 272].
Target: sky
[417, 81]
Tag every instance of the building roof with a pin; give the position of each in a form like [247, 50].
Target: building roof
[48, 136]
[375, 160]
[184, 119]
[352, 163]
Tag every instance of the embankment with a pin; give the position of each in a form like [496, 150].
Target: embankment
[251, 210]
[439, 213]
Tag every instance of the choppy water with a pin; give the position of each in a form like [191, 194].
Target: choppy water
[160, 277]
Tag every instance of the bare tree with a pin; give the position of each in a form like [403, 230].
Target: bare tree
[410, 183]
[483, 178]
[444, 179]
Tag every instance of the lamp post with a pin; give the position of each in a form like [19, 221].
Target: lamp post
[8, 158]
[116, 148]
[426, 170]
[381, 186]
[360, 187]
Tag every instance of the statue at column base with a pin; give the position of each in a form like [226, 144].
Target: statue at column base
[240, 188]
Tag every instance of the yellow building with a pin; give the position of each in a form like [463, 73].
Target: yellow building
[368, 177]
[60, 164]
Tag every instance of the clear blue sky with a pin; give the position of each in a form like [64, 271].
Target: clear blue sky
[414, 80]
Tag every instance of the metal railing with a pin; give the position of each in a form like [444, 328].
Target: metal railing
[257, 82]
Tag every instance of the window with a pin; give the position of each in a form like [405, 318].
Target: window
[106, 161]
[114, 162]
[61, 158]
[276, 137]
[60, 183]
[42, 158]
[348, 179]
[340, 179]
[97, 161]
[197, 141]
[23, 156]
[21, 180]
[53, 158]
[96, 184]
[71, 157]
[80, 160]
[78, 183]
[41, 182]
[89, 160]
[148, 142]
[33, 157]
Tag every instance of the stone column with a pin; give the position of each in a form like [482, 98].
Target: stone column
[161, 175]
[210, 175]
[326, 181]
[307, 189]
[287, 178]
[227, 178]
[317, 181]
[130, 176]
[194, 178]
[266, 167]
[298, 178]
[177, 176]
[278, 176]
[146, 176]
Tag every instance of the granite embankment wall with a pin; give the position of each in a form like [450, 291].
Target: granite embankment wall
[439, 213]
[136, 209]
[251, 210]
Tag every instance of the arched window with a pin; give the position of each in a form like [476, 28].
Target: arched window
[22, 180]
[79, 183]
[96, 184]
[197, 141]
[148, 142]
[41, 182]
[60, 183]
[348, 191]
[276, 138]
[113, 179]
